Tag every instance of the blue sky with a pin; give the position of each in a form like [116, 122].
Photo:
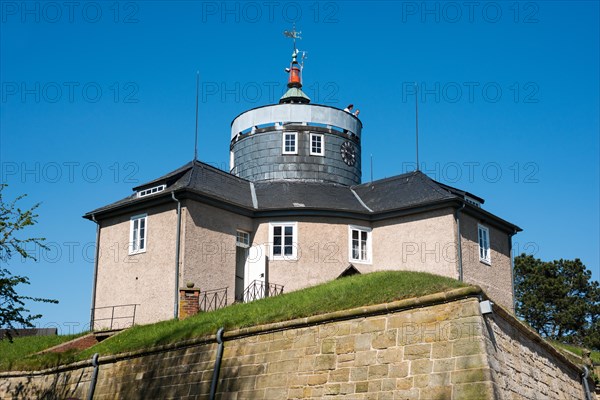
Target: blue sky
[98, 97]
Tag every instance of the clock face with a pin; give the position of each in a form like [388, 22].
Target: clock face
[348, 153]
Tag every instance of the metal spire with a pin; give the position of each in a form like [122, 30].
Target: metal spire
[294, 93]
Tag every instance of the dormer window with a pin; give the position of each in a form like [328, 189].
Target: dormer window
[152, 190]
[472, 201]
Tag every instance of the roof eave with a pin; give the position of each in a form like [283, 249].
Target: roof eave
[487, 216]
[133, 205]
[187, 193]
[165, 197]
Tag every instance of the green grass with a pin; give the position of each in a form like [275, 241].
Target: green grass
[12, 353]
[350, 292]
[341, 294]
[595, 356]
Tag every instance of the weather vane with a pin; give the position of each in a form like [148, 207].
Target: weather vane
[294, 34]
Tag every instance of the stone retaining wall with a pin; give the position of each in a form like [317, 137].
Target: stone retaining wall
[434, 347]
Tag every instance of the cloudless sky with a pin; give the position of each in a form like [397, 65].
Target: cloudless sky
[98, 97]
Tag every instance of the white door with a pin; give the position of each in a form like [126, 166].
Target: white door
[255, 273]
[241, 255]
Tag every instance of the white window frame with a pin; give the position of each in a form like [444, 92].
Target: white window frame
[283, 149]
[483, 244]
[242, 239]
[310, 144]
[369, 257]
[283, 256]
[134, 243]
[472, 201]
[151, 190]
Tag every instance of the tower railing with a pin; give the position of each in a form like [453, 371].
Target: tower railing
[302, 113]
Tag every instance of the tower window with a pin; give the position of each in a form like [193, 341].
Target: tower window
[483, 234]
[317, 147]
[360, 244]
[290, 143]
[137, 234]
[283, 241]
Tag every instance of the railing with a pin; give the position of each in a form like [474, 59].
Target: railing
[112, 317]
[211, 300]
[259, 289]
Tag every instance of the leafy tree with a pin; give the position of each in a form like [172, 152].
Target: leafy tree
[12, 221]
[558, 299]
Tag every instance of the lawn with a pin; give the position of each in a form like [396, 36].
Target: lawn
[341, 294]
[21, 347]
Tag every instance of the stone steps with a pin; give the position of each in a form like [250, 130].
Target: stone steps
[81, 343]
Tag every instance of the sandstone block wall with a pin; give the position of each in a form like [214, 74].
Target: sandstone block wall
[434, 347]
[523, 366]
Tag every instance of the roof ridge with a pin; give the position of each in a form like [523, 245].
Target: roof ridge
[200, 164]
[387, 179]
[435, 185]
[189, 182]
[362, 203]
[465, 192]
[181, 170]
[253, 195]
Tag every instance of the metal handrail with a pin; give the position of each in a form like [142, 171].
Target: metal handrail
[112, 315]
[211, 300]
[259, 289]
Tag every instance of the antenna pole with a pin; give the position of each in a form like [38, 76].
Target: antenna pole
[196, 133]
[417, 122]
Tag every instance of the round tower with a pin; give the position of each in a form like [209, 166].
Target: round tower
[296, 140]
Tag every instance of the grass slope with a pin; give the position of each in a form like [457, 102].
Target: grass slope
[341, 294]
[21, 347]
[595, 356]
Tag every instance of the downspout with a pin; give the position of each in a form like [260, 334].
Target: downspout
[586, 386]
[512, 269]
[95, 364]
[93, 310]
[459, 241]
[177, 243]
[215, 377]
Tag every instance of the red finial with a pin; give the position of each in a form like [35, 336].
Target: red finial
[295, 72]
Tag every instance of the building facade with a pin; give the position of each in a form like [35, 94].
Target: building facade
[291, 213]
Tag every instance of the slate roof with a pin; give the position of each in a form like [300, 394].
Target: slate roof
[405, 191]
[402, 191]
[195, 177]
[273, 195]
